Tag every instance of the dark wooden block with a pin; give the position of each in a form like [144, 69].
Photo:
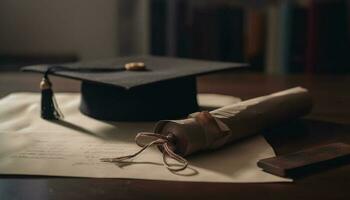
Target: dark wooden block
[307, 160]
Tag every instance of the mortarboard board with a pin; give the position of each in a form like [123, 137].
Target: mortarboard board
[138, 88]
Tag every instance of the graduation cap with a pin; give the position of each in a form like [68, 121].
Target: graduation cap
[139, 88]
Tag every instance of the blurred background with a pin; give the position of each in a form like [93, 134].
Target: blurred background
[274, 36]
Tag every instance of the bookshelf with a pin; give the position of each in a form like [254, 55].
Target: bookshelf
[275, 37]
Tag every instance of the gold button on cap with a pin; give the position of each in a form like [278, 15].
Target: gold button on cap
[45, 84]
[135, 66]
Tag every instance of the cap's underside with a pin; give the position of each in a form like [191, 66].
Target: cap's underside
[169, 100]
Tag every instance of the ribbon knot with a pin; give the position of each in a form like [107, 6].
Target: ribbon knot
[164, 143]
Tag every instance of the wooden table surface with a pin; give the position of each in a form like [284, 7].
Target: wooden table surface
[328, 122]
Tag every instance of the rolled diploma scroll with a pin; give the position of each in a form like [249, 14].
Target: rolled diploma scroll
[204, 131]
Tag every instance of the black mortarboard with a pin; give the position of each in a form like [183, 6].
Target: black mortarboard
[139, 88]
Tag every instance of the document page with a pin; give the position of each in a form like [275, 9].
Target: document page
[74, 146]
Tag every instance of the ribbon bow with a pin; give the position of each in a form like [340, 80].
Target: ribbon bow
[164, 143]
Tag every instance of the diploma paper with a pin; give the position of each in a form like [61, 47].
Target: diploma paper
[73, 147]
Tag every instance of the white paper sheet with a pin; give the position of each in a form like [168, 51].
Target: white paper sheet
[73, 147]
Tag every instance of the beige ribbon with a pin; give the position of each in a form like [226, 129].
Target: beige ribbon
[164, 143]
[215, 131]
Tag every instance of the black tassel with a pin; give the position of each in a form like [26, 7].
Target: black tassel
[49, 107]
